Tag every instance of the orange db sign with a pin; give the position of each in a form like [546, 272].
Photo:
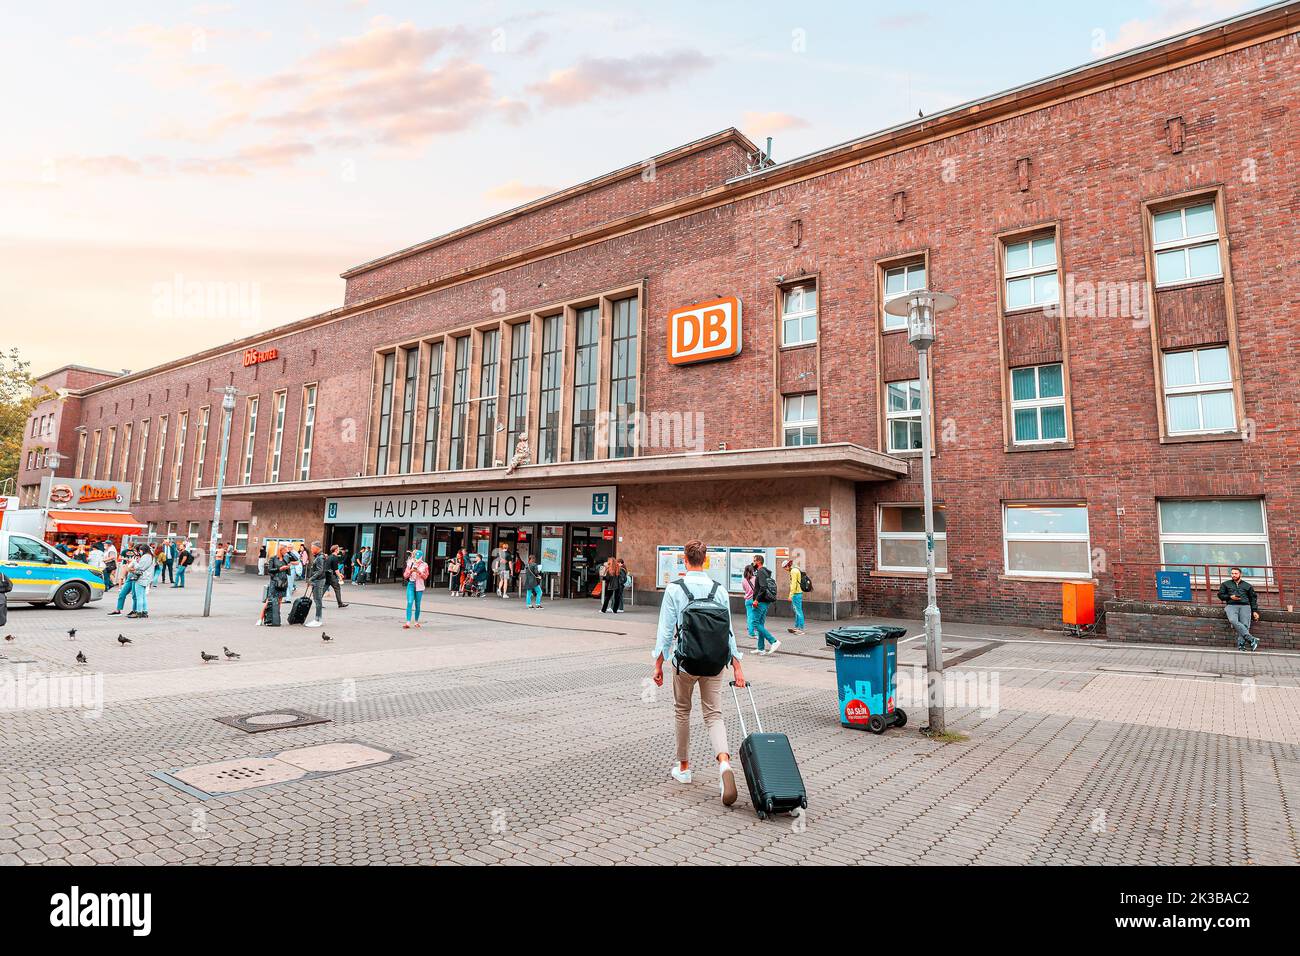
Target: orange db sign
[704, 332]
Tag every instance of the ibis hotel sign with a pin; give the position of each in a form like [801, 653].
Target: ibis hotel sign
[704, 332]
[596, 505]
[82, 494]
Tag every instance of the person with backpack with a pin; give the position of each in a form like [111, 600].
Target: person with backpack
[532, 584]
[764, 598]
[747, 589]
[183, 561]
[695, 634]
[277, 586]
[797, 581]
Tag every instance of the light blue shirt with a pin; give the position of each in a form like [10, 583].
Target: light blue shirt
[675, 601]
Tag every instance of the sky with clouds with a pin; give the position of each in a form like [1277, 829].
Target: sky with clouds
[255, 150]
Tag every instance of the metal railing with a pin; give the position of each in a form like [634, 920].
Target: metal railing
[1277, 586]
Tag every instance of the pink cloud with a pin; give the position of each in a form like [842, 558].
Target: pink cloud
[1172, 17]
[766, 124]
[595, 77]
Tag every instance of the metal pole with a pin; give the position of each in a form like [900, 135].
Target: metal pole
[933, 629]
[228, 408]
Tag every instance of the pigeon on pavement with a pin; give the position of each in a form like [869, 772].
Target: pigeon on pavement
[207, 657]
[9, 638]
[81, 657]
[72, 633]
[230, 655]
[123, 640]
[326, 638]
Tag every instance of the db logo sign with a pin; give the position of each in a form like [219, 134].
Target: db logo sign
[704, 332]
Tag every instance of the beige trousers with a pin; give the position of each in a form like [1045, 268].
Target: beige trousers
[710, 705]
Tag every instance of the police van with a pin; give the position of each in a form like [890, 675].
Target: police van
[41, 575]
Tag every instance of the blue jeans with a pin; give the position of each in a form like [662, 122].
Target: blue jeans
[180, 576]
[413, 599]
[749, 619]
[796, 602]
[760, 624]
[216, 569]
[126, 590]
[141, 597]
[533, 593]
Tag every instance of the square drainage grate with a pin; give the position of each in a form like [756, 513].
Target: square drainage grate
[267, 770]
[281, 719]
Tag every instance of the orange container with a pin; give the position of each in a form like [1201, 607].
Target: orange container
[1077, 603]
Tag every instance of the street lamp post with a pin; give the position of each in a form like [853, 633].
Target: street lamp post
[920, 307]
[227, 408]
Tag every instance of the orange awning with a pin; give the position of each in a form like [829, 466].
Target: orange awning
[95, 522]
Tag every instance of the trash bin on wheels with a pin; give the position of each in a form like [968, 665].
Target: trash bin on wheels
[866, 660]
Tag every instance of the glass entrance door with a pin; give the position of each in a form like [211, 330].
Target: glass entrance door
[390, 554]
[447, 540]
[590, 546]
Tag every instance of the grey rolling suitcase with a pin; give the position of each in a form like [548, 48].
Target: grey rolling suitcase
[771, 772]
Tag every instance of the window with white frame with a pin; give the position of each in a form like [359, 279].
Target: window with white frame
[1046, 540]
[138, 491]
[1038, 404]
[308, 431]
[1222, 533]
[178, 461]
[192, 532]
[903, 415]
[900, 280]
[1029, 272]
[241, 537]
[1198, 391]
[201, 445]
[160, 455]
[277, 438]
[94, 456]
[900, 538]
[81, 452]
[1186, 244]
[250, 440]
[799, 315]
[800, 419]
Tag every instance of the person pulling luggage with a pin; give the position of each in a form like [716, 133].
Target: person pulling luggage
[317, 579]
[695, 634]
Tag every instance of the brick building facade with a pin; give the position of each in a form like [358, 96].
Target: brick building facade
[1114, 388]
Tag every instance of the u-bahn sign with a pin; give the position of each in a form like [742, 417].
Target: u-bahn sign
[595, 504]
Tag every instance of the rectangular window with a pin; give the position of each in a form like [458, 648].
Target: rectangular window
[900, 538]
[433, 407]
[1038, 404]
[1045, 540]
[110, 454]
[586, 368]
[1186, 244]
[277, 437]
[901, 280]
[125, 468]
[385, 413]
[548, 427]
[1029, 270]
[192, 533]
[799, 315]
[903, 414]
[1222, 533]
[459, 405]
[1198, 391]
[139, 465]
[308, 431]
[159, 456]
[241, 537]
[521, 338]
[489, 378]
[623, 378]
[799, 419]
[201, 446]
[178, 462]
[81, 453]
[409, 388]
[94, 456]
[250, 440]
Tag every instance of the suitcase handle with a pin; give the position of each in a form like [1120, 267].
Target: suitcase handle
[758, 720]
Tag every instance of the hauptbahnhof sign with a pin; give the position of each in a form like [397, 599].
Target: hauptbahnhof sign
[597, 504]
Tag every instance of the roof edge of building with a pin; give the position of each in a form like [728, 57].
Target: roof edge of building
[730, 134]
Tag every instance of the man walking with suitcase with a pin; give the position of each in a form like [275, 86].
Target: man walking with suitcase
[695, 633]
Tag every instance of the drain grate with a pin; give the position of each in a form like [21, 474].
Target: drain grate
[285, 766]
[282, 719]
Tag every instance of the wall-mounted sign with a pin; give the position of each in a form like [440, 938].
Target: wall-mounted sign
[704, 332]
[515, 504]
[83, 493]
[1173, 585]
[254, 357]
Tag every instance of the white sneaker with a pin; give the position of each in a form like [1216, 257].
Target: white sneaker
[680, 775]
[726, 783]
[313, 624]
[774, 647]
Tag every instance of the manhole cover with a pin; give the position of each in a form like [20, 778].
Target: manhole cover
[272, 720]
[266, 770]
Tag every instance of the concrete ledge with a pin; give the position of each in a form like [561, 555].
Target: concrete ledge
[1198, 625]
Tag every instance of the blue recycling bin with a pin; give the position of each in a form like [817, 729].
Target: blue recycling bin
[866, 662]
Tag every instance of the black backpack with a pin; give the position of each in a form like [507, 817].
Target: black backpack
[703, 635]
[764, 586]
[805, 582]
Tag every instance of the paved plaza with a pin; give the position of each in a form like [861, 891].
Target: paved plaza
[499, 735]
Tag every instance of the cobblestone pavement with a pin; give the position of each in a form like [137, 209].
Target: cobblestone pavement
[534, 737]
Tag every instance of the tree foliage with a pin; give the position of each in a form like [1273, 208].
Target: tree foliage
[16, 404]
